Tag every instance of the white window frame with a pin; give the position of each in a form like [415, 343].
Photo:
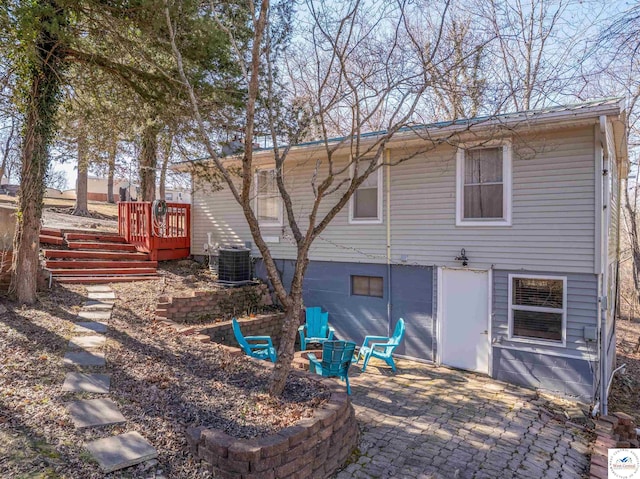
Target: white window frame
[365, 221]
[505, 144]
[543, 342]
[279, 222]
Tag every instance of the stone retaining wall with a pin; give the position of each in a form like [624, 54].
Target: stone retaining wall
[261, 325]
[207, 306]
[615, 431]
[313, 448]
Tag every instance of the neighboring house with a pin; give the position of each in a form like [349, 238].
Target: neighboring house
[499, 247]
[176, 195]
[97, 189]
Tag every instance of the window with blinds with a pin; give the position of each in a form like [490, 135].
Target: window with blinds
[538, 308]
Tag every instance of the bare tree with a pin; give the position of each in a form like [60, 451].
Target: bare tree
[535, 50]
[366, 68]
[7, 150]
[619, 47]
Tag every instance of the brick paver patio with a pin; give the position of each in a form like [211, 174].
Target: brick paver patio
[435, 423]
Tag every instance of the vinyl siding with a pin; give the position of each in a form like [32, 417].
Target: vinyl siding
[581, 311]
[218, 213]
[553, 225]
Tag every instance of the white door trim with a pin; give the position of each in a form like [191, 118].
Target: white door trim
[490, 319]
[441, 310]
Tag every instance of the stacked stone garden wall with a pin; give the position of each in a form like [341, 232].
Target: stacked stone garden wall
[199, 307]
[313, 448]
[261, 325]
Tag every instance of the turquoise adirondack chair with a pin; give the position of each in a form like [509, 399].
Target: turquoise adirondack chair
[381, 347]
[261, 350]
[336, 359]
[316, 329]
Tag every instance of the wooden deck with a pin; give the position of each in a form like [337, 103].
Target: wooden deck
[164, 238]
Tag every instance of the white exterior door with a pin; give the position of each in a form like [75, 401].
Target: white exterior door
[464, 319]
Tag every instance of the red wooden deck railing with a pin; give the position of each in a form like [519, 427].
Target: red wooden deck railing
[163, 238]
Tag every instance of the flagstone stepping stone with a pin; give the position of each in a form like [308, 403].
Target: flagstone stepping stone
[95, 315]
[84, 358]
[90, 383]
[94, 305]
[89, 327]
[87, 342]
[95, 412]
[123, 450]
[102, 295]
[98, 288]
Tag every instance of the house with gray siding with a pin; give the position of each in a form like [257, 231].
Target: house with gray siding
[499, 246]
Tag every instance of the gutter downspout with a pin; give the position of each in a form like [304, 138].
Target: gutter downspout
[602, 283]
[387, 187]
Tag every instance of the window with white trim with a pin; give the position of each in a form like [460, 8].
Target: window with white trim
[483, 196]
[268, 201]
[365, 205]
[538, 308]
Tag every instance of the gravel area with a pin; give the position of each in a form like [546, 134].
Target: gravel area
[161, 382]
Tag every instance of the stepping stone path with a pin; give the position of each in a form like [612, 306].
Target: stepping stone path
[85, 350]
[90, 327]
[118, 452]
[90, 383]
[95, 412]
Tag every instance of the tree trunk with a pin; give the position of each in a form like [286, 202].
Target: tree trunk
[82, 204]
[166, 154]
[148, 162]
[43, 82]
[112, 170]
[632, 214]
[281, 369]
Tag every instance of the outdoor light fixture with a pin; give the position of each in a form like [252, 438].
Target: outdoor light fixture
[462, 257]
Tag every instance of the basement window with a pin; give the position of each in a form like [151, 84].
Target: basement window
[367, 286]
[538, 308]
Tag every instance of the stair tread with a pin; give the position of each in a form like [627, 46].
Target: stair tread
[64, 253]
[48, 239]
[97, 245]
[105, 279]
[98, 264]
[98, 237]
[101, 271]
[51, 232]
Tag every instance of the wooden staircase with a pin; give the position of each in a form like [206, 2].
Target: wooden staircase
[90, 258]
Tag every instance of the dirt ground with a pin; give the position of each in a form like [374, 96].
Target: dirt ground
[162, 382]
[57, 214]
[625, 392]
